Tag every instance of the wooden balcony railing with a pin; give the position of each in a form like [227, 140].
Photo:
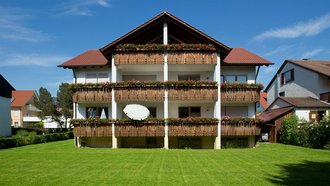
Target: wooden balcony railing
[240, 127]
[92, 95]
[240, 92]
[176, 127]
[139, 58]
[134, 54]
[140, 94]
[192, 57]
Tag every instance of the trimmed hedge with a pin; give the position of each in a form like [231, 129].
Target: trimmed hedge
[16, 141]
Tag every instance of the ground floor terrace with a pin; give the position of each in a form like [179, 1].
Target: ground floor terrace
[173, 133]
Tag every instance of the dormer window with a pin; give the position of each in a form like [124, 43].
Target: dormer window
[287, 77]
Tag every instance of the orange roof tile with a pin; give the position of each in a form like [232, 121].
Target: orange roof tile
[88, 58]
[21, 97]
[263, 99]
[244, 57]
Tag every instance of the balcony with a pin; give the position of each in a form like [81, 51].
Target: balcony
[153, 54]
[139, 91]
[240, 127]
[192, 90]
[240, 92]
[92, 93]
[176, 127]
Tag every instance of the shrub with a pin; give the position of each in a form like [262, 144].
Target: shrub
[26, 138]
[287, 132]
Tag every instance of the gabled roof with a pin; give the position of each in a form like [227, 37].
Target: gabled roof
[302, 102]
[318, 66]
[170, 18]
[22, 97]
[5, 88]
[241, 56]
[275, 113]
[88, 58]
[305, 102]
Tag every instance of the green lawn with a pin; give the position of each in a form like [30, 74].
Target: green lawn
[59, 163]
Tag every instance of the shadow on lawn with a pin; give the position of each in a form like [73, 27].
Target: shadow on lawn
[306, 173]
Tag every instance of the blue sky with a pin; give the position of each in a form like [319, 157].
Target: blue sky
[38, 35]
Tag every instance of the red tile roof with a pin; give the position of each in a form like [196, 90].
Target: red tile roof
[88, 58]
[21, 97]
[242, 56]
[273, 114]
[263, 99]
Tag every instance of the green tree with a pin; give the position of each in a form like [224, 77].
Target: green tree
[46, 104]
[288, 130]
[64, 101]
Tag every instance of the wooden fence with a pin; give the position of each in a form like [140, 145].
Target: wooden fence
[139, 58]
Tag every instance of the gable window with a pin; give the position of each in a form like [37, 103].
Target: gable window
[234, 78]
[185, 112]
[287, 77]
[189, 77]
[97, 78]
[96, 112]
[282, 94]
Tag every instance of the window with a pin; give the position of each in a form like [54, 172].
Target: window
[96, 112]
[97, 78]
[185, 112]
[230, 79]
[222, 78]
[282, 94]
[189, 77]
[91, 78]
[16, 124]
[234, 78]
[287, 77]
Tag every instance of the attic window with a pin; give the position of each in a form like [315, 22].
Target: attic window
[287, 77]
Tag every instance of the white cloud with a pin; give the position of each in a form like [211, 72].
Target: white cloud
[32, 60]
[270, 69]
[310, 54]
[308, 28]
[12, 27]
[82, 7]
[279, 50]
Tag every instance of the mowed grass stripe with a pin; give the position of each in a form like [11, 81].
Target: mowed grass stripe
[59, 163]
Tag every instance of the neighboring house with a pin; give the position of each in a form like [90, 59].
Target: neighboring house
[49, 122]
[305, 108]
[23, 112]
[300, 78]
[176, 71]
[5, 99]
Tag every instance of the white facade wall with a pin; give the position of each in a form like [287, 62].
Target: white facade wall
[245, 109]
[5, 129]
[279, 104]
[306, 83]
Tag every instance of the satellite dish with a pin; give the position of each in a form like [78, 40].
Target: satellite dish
[136, 112]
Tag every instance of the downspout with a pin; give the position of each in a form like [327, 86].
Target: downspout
[255, 79]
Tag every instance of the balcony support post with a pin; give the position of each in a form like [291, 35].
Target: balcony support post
[113, 102]
[165, 42]
[217, 76]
